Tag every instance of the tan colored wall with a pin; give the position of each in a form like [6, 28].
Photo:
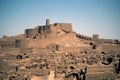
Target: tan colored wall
[67, 40]
[40, 50]
[11, 50]
[30, 33]
[74, 49]
[111, 48]
[58, 27]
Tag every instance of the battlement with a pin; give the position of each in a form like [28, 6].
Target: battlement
[96, 39]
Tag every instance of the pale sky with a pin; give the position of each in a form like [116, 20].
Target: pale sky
[87, 16]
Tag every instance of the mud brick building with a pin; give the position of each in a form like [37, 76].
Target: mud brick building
[55, 49]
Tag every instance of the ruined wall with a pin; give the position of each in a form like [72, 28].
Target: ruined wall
[7, 42]
[108, 41]
[68, 40]
[57, 28]
[111, 48]
[40, 51]
[95, 39]
[74, 49]
[48, 30]
[19, 36]
[30, 33]
[83, 36]
[10, 50]
[43, 32]
[100, 72]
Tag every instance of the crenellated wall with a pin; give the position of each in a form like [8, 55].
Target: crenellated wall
[83, 37]
[96, 39]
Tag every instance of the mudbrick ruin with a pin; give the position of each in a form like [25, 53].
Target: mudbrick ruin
[56, 52]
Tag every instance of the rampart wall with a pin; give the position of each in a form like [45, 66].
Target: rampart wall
[67, 40]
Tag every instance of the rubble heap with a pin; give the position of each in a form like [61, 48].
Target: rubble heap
[56, 52]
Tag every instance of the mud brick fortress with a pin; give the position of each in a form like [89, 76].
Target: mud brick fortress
[55, 49]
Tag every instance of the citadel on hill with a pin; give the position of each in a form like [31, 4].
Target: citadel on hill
[55, 51]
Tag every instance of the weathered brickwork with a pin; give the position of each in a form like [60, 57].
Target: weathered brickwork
[56, 52]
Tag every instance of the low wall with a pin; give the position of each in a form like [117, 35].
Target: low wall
[74, 49]
[100, 72]
[10, 50]
[111, 48]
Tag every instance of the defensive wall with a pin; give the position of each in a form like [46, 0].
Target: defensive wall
[60, 34]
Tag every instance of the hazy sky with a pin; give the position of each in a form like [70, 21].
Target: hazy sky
[87, 16]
